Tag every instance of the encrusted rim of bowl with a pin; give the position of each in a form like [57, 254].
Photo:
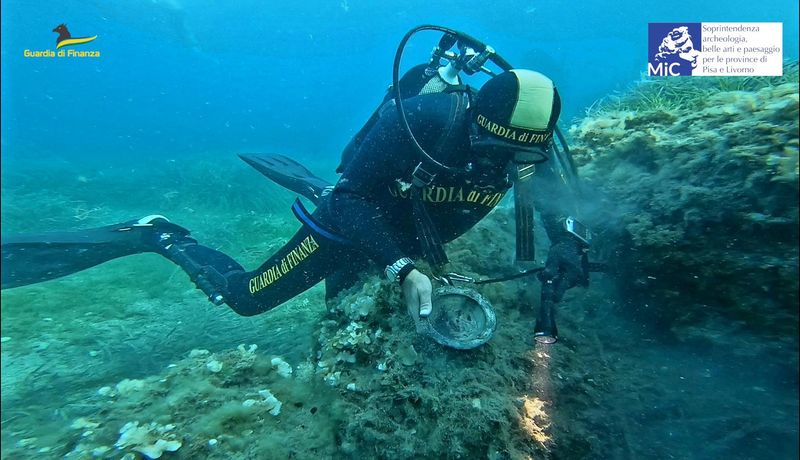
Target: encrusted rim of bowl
[476, 297]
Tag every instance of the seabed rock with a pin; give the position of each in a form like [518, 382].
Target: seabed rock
[698, 187]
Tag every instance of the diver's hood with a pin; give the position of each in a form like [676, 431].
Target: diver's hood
[492, 147]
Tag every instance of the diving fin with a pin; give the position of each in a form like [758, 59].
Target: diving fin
[290, 174]
[33, 258]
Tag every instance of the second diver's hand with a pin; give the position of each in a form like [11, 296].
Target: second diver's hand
[417, 290]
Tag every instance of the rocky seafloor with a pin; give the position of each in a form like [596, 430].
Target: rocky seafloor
[699, 196]
[686, 348]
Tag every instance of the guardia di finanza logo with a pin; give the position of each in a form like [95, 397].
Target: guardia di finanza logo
[65, 39]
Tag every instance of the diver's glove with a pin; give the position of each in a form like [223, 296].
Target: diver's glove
[567, 266]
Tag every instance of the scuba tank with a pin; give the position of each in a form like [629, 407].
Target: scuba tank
[418, 80]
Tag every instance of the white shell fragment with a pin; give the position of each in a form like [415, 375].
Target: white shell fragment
[82, 423]
[198, 353]
[214, 366]
[100, 451]
[250, 350]
[146, 439]
[271, 402]
[129, 385]
[284, 369]
[159, 447]
[105, 391]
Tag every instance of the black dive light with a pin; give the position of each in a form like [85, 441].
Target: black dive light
[545, 331]
[202, 276]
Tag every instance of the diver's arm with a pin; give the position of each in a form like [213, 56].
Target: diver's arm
[567, 263]
[358, 208]
[360, 199]
[555, 200]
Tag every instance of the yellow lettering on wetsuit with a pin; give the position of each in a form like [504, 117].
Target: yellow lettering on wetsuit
[299, 253]
[519, 135]
[436, 194]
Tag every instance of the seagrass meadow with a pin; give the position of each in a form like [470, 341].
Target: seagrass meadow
[686, 347]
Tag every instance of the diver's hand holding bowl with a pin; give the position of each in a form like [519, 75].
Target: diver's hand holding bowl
[417, 291]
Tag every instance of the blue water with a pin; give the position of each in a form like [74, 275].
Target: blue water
[178, 80]
[181, 77]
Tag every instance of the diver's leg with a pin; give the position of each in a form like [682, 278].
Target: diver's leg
[208, 268]
[28, 259]
[300, 264]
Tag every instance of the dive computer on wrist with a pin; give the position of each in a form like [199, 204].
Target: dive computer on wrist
[399, 269]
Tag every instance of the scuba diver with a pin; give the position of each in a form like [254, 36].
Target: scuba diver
[433, 160]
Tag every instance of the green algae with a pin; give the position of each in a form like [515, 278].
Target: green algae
[704, 190]
[671, 94]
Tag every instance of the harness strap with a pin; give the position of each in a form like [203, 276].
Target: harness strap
[432, 247]
[524, 213]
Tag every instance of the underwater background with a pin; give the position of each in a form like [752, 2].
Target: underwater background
[686, 348]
